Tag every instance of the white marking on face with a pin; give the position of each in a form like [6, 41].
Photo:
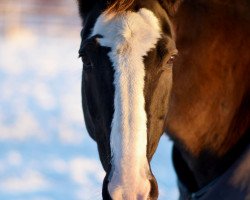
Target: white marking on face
[130, 35]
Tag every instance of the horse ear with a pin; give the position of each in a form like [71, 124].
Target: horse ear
[171, 6]
[85, 6]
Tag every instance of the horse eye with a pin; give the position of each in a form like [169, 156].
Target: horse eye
[171, 60]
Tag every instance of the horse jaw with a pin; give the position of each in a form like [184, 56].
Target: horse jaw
[130, 35]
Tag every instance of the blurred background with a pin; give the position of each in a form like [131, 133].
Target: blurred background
[45, 151]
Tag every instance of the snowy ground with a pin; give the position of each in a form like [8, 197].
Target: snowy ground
[45, 152]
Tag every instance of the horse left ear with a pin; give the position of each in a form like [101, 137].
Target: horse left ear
[171, 6]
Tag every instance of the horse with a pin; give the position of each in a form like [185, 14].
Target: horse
[179, 67]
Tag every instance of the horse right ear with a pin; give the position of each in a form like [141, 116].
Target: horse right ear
[85, 6]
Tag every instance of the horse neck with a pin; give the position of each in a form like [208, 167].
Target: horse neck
[209, 113]
[241, 7]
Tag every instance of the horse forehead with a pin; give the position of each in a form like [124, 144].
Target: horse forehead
[136, 29]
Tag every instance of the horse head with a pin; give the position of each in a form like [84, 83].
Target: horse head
[127, 51]
[128, 48]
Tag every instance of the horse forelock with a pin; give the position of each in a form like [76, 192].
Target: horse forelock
[118, 6]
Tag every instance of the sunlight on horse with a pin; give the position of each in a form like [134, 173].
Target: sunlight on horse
[136, 85]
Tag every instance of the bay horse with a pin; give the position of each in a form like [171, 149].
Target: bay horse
[136, 85]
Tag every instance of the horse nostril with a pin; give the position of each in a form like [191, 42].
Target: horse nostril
[154, 192]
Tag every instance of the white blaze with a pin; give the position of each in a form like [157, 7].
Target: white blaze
[130, 35]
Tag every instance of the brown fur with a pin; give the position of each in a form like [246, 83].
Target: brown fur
[209, 112]
[215, 70]
[171, 6]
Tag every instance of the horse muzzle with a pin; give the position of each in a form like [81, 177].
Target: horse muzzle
[135, 189]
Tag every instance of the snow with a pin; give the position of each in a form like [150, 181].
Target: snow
[45, 151]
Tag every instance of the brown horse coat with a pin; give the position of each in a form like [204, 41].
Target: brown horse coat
[209, 108]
